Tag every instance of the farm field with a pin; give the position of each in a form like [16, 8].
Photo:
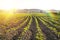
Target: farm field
[24, 26]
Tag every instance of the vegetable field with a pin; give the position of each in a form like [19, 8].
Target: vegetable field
[29, 27]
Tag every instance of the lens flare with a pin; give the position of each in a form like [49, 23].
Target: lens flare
[51, 14]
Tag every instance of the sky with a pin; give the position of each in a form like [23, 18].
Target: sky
[30, 4]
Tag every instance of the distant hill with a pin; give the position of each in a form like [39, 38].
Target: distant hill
[30, 11]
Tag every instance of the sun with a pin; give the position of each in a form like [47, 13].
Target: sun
[6, 4]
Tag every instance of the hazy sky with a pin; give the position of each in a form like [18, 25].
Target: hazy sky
[23, 4]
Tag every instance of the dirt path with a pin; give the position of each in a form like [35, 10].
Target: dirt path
[49, 34]
[20, 30]
[33, 29]
[58, 29]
